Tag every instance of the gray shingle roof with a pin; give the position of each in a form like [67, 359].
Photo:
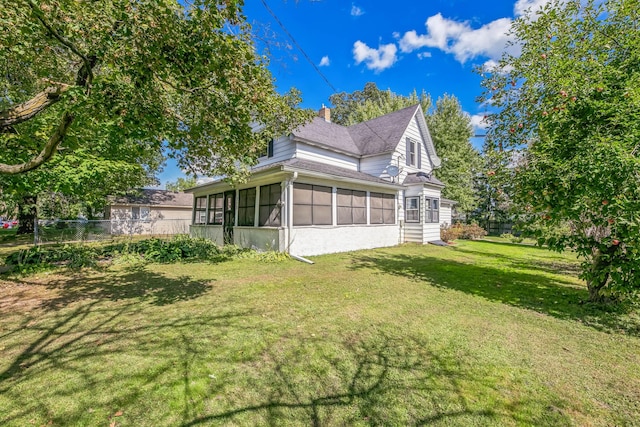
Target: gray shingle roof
[323, 168]
[422, 178]
[153, 197]
[376, 136]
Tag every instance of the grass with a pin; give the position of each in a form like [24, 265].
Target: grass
[480, 333]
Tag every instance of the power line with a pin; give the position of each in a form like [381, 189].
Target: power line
[315, 67]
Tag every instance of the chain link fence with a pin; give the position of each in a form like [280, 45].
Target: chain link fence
[59, 231]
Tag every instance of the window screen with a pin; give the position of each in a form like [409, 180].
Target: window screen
[246, 207]
[200, 214]
[383, 210]
[216, 205]
[412, 209]
[312, 205]
[352, 207]
[270, 205]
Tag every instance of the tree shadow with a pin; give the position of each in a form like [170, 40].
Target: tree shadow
[554, 296]
[556, 267]
[382, 380]
[90, 331]
[135, 283]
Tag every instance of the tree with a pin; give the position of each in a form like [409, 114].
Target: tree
[371, 102]
[187, 78]
[570, 100]
[83, 177]
[181, 184]
[451, 131]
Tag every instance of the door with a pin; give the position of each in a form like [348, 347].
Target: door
[229, 216]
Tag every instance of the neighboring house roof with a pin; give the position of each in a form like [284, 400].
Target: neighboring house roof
[149, 197]
[422, 178]
[376, 136]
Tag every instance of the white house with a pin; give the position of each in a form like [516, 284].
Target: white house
[150, 211]
[330, 188]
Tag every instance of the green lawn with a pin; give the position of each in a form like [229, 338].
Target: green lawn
[480, 333]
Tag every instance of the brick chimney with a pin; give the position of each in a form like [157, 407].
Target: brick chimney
[325, 113]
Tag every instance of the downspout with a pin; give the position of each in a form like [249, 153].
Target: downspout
[294, 176]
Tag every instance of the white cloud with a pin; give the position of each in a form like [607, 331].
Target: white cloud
[325, 62]
[356, 11]
[459, 38]
[522, 6]
[478, 122]
[375, 59]
[423, 55]
[493, 66]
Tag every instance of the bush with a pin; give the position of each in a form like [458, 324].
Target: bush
[449, 233]
[179, 248]
[462, 231]
[512, 238]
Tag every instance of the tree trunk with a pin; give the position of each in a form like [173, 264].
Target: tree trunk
[27, 214]
[598, 282]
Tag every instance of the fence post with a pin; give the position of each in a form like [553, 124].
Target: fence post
[35, 231]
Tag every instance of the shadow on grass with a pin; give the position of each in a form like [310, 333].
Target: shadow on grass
[549, 295]
[137, 283]
[81, 344]
[382, 380]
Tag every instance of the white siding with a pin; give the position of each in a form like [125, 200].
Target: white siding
[211, 232]
[445, 214]
[283, 149]
[316, 154]
[377, 165]
[261, 238]
[413, 132]
[325, 240]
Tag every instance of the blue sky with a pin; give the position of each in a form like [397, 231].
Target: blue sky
[400, 45]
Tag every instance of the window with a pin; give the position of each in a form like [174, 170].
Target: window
[247, 207]
[383, 209]
[312, 205]
[431, 210]
[412, 209]
[268, 150]
[200, 215]
[352, 207]
[413, 153]
[140, 212]
[270, 205]
[216, 205]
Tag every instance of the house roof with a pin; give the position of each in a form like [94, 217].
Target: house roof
[322, 168]
[422, 178]
[376, 136]
[151, 197]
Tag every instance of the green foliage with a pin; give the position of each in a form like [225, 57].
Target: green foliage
[371, 102]
[451, 131]
[512, 238]
[570, 103]
[181, 184]
[153, 250]
[143, 76]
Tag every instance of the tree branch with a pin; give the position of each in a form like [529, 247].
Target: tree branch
[88, 64]
[47, 152]
[28, 109]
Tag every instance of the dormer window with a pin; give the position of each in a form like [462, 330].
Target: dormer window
[413, 153]
[268, 150]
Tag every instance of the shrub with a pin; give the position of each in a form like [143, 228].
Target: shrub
[512, 238]
[449, 233]
[472, 231]
[462, 231]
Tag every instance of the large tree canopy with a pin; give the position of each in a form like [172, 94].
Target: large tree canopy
[571, 102]
[74, 73]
